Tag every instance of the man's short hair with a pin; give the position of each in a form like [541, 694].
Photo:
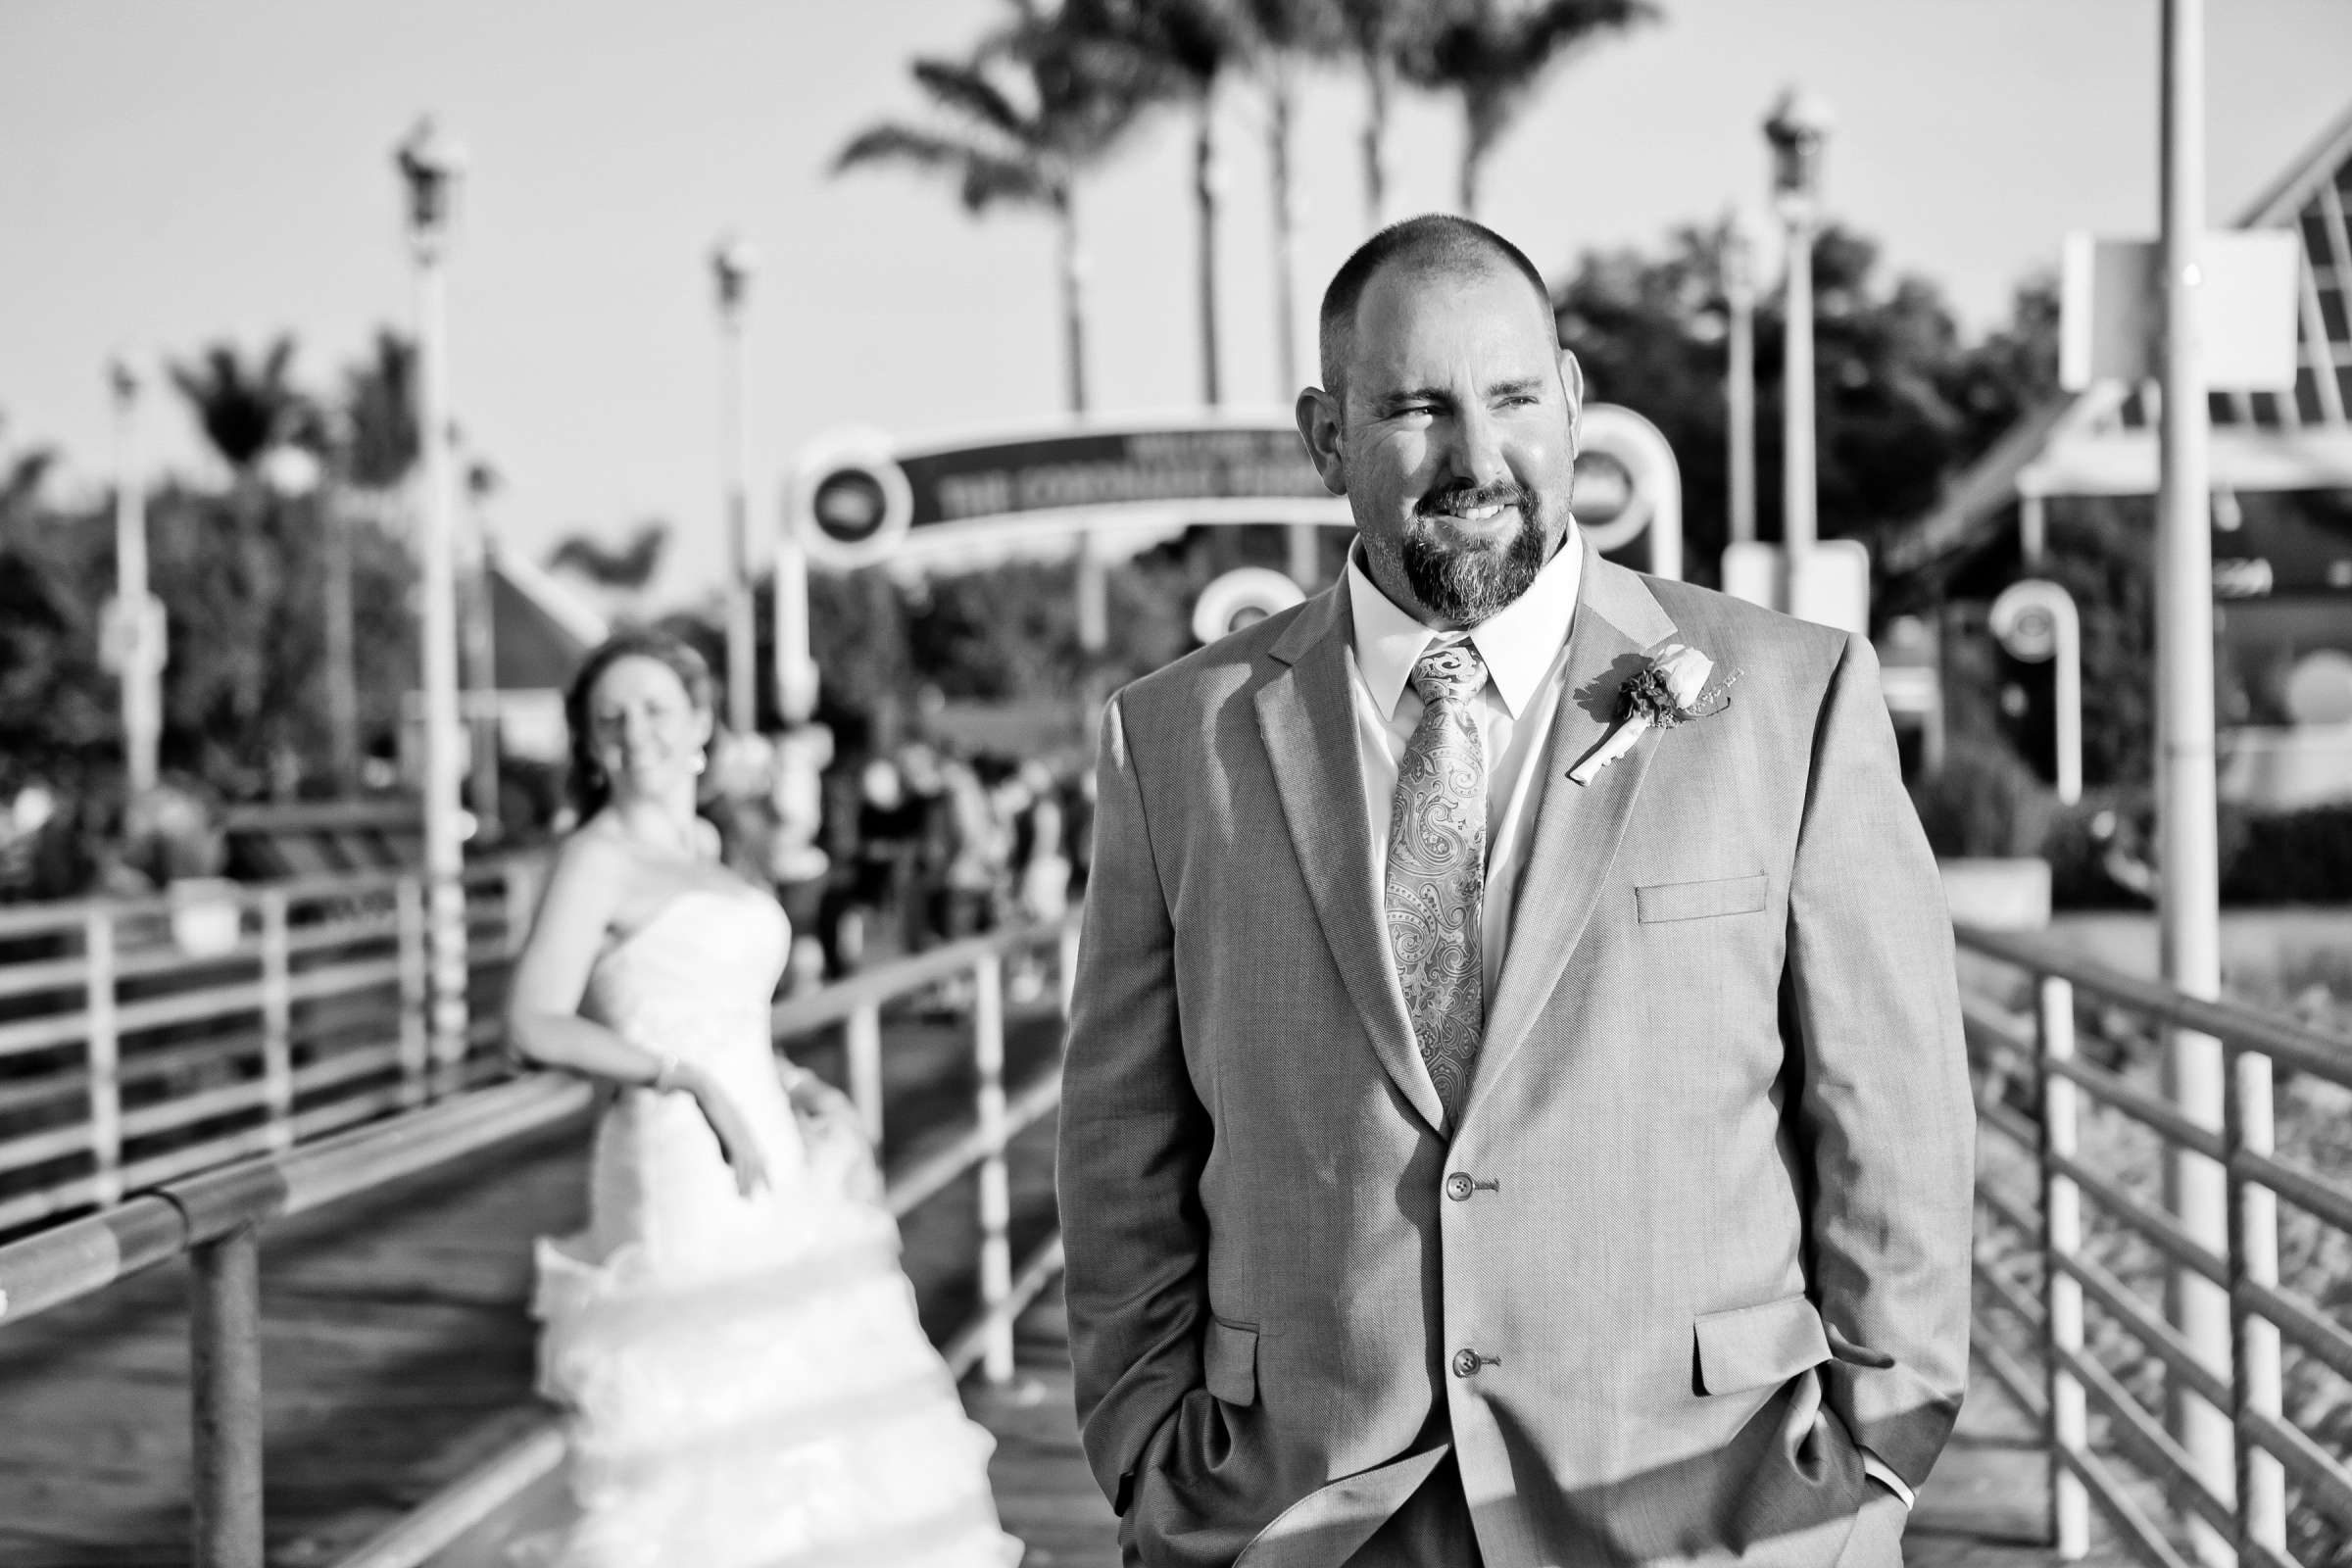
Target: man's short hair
[1434, 242]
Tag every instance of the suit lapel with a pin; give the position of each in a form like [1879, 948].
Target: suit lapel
[1306, 716]
[1577, 827]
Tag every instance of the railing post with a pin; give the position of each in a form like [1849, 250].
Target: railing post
[2255, 1383]
[521, 891]
[277, 1020]
[105, 1058]
[224, 1330]
[864, 1045]
[2062, 1293]
[450, 977]
[996, 1192]
[415, 1048]
[1066, 965]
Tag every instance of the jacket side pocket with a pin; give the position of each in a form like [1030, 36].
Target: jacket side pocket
[1230, 1361]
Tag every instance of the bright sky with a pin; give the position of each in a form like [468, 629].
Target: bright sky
[177, 174]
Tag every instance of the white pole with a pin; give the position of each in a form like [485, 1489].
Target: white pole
[730, 262]
[2069, 697]
[1094, 595]
[2032, 529]
[1740, 376]
[1796, 408]
[143, 665]
[2189, 862]
[444, 817]
[796, 667]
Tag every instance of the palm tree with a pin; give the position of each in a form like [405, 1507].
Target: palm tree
[366, 447]
[244, 410]
[247, 410]
[1174, 51]
[1285, 35]
[1023, 116]
[22, 476]
[379, 407]
[1493, 53]
[1380, 35]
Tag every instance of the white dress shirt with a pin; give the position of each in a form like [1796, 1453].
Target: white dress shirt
[1524, 648]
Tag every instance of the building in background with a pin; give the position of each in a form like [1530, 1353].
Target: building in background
[2283, 510]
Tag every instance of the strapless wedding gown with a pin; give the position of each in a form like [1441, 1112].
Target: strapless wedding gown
[745, 1379]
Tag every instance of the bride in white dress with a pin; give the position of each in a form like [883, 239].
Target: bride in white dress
[734, 1344]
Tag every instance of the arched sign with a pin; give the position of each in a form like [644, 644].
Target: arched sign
[859, 499]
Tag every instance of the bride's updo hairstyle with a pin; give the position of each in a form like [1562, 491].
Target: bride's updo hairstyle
[587, 785]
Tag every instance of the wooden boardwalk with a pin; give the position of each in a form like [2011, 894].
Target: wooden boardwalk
[398, 1356]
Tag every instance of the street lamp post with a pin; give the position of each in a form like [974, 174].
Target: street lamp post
[138, 641]
[1797, 129]
[733, 261]
[2189, 895]
[430, 164]
[1739, 373]
[477, 626]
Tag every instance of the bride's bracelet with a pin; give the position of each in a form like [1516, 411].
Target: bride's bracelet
[665, 1076]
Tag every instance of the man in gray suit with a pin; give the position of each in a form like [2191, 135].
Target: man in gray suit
[1515, 1109]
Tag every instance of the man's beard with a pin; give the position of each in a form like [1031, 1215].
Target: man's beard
[1467, 584]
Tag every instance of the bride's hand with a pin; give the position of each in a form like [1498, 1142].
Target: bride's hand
[737, 1140]
[813, 1098]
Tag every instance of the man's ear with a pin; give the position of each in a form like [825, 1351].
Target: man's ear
[1572, 382]
[1318, 416]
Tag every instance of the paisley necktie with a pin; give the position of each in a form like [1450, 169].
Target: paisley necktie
[1436, 870]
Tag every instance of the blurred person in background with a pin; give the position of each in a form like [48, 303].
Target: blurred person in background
[736, 1348]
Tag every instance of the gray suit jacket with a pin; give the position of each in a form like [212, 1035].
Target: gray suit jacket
[1703, 1226]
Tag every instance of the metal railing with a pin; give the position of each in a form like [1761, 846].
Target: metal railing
[2065, 1282]
[214, 1218]
[145, 1039]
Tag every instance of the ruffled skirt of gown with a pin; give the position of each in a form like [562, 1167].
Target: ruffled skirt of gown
[746, 1381]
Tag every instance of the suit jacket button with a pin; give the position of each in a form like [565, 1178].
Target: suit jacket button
[1465, 1362]
[1458, 1187]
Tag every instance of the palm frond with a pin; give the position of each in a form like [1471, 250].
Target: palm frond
[987, 181]
[894, 143]
[27, 472]
[983, 176]
[964, 89]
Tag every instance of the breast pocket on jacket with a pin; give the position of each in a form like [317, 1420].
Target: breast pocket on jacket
[1700, 901]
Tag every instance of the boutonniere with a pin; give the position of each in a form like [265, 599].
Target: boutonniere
[1671, 689]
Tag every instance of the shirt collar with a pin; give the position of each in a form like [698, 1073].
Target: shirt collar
[1518, 644]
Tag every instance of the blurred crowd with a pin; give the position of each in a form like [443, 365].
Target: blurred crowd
[873, 854]
[898, 851]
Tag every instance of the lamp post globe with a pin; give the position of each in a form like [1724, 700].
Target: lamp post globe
[430, 164]
[733, 263]
[1797, 129]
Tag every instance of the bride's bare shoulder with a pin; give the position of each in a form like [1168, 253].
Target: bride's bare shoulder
[595, 850]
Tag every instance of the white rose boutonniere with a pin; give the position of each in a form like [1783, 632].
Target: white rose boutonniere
[1671, 689]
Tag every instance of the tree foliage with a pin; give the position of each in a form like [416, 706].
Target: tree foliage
[1901, 401]
[630, 566]
[1018, 118]
[1490, 55]
[244, 694]
[244, 407]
